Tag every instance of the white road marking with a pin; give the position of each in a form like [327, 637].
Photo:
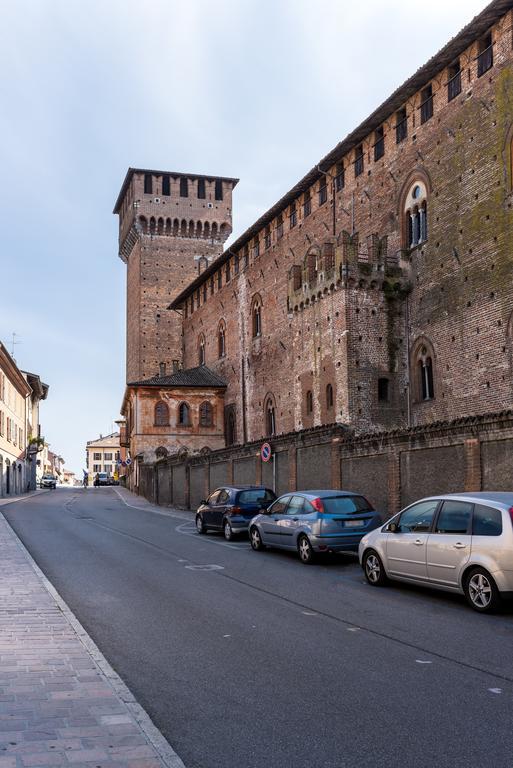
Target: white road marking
[212, 567]
[226, 635]
[423, 661]
[309, 613]
[353, 629]
[495, 690]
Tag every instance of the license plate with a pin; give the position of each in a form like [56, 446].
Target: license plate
[354, 523]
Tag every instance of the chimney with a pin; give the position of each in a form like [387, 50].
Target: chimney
[162, 369]
[175, 366]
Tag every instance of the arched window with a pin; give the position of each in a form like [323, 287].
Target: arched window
[206, 414]
[161, 414]
[230, 425]
[143, 223]
[329, 396]
[328, 254]
[184, 419]
[201, 350]
[256, 316]
[160, 226]
[153, 225]
[221, 339]
[309, 401]
[415, 212]
[423, 370]
[270, 415]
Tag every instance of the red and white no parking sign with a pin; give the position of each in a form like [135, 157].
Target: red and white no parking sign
[265, 452]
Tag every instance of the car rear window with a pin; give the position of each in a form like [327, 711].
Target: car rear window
[256, 496]
[346, 505]
[487, 521]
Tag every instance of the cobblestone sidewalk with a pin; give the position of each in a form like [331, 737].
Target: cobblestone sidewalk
[61, 704]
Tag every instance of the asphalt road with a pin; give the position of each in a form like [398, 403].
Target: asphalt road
[260, 661]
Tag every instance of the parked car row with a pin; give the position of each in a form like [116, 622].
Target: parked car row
[455, 542]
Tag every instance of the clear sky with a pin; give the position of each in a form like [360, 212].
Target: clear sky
[257, 89]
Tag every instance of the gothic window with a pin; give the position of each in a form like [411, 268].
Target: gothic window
[401, 125]
[358, 160]
[309, 402]
[206, 414]
[201, 189]
[423, 371]
[143, 222]
[379, 143]
[329, 397]
[230, 425]
[270, 415]
[256, 316]
[161, 414]
[184, 187]
[148, 184]
[219, 189]
[184, 419]
[295, 273]
[166, 186]
[426, 104]
[214, 230]
[153, 225]
[415, 212]
[201, 350]
[221, 339]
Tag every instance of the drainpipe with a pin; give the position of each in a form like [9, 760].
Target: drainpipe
[408, 386]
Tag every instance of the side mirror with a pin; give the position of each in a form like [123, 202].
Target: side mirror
[202, 502]
[263, 511]
[393, 528]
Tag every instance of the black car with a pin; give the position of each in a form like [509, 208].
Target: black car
[230, 508]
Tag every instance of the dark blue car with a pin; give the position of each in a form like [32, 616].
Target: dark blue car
[230, 508]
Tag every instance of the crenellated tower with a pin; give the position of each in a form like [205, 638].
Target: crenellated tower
[171, 225]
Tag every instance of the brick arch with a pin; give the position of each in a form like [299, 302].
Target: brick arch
[143, 223]
[270, 414]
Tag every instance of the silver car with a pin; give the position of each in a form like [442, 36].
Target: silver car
[456, 542]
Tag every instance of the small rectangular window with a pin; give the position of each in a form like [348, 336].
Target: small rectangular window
[228, 271]
[358, 160]
[204, 292]
[379, 143]
[307, 205]
[192, 304]
[426, 104]
[323, 191]
[279, 227]
[201, 189]
[219, 189]
[485, 56]
[166, 186]
[267, 238]
[293, 216]
[401, 125]
[339, 178]
[212, 285]
[383, 389]
[454, 81]
[219, 279]
[184, 187]
[246, 256]
[148, 184]
[236, 264]
[256, 248]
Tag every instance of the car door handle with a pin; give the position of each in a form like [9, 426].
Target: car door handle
[418, 542]
[295, 519]
[459, 545]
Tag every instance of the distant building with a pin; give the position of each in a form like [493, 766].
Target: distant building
[68, 477]
[102, 455]
[20, 395]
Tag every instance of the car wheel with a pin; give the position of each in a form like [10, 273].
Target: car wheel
[374, 569]
[200, 525]
[255, 539]
[227, 530]
[481, 591]
[305, 550]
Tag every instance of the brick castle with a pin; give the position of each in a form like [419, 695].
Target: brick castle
[376, 294]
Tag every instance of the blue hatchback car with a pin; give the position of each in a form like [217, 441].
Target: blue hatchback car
[229, 509]
[311, 522]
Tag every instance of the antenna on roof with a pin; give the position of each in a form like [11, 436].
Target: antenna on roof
[14, 343]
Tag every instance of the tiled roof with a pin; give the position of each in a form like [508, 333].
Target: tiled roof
[190, 377]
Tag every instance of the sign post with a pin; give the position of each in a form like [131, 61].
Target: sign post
[266, 454]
